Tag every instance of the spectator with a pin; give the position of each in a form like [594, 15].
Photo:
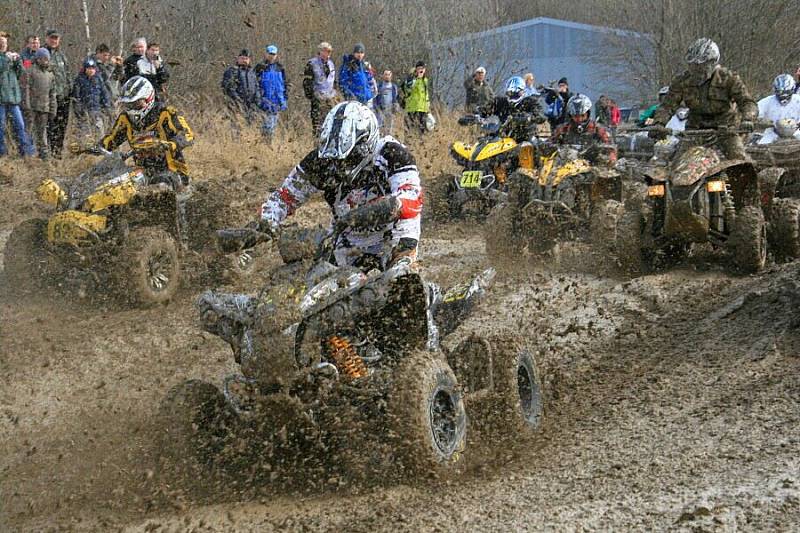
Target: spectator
[564, 95]
[240, 86]
[131, 63]
[28, 53]
[416, 93]
[91, 101]
[153, 68]
[387, 103]
[602, 111]
[478, 91]
[59, 65]
[39, 99]
[11, 97]
[111, 70]
[319, 77]
[274, 90]
[646, 116]
[373, 82]
[530, 85]
[355, 81]
[616, 115]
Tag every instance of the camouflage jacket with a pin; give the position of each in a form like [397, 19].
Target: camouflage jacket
[723, 100]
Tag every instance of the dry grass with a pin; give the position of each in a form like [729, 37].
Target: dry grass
[242, 163]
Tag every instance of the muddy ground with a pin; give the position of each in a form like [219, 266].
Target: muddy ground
[672, 403]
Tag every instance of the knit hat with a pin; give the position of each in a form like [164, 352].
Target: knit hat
[52, 33]
[419, 64]
[359, 48]
[564, 81]
[42, 52]
[244, 53]
[272, 49]
[480, 70]
[89, 63]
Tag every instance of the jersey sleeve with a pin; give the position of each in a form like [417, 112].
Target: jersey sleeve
[295, 190]
[404, 180]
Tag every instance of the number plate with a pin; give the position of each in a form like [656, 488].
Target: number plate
[471, 179]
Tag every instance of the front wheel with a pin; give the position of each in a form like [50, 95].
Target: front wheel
[426, 417]
[501, 242]
[628, 241]
[748, 240]
[603, 228]
[149, 267]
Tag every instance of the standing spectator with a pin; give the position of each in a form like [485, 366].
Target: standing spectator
[557, 104]
[153, 68]
[355, 81]
[479, 93]
[240, 85]
[274, 91]
[602, 111]
[91, 101]
[318, 84]
[373, 85]
[39, 99]
[11, 97]
[416, 93]
[530, 85]
[57, 126]
[110, 69]
[387, 103]
[616, 115]
[131, 63]
[28, 53]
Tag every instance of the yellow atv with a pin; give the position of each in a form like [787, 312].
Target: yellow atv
[486, 165]
[559, 199]
[114, 229]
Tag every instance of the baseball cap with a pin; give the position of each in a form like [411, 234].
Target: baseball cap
[89, 63]
[52, 33]
[244, 53]
[272, 49]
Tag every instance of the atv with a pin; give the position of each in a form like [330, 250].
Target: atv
[486, 166]
[778, 165]
[698, 196]
[562, 198]
[351, 370]
[114, 230]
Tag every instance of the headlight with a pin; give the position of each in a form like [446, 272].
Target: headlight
[656, 190]
[715, 186]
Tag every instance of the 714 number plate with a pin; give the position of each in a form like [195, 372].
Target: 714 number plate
[471, 179]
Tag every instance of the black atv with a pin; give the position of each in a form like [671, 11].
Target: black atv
[351, 370]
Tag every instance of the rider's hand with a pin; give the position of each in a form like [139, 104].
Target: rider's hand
[649, 122]
[658, 132]
[747, 125]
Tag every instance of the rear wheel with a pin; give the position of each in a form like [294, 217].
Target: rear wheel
[603, 227]
[784, 229]
[149, 267]
[426, 416]
[628, 241]
[24, 257]
[748, 240]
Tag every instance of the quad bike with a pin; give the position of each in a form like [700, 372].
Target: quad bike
[350, 369]
[561, 198]
[698, 196]
[114, 229]
[778, 165]
[486, 165]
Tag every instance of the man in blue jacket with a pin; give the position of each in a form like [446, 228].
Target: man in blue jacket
[274, 90]
[240, 85]
[90, 100]
[355, 79]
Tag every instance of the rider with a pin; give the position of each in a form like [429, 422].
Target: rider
[522, 108]
[581, 129]
[371, 184]
[783, 104]
[144, 119]
[716, 98]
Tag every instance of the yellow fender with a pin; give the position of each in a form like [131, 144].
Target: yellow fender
[74, 227]
[116, 192]
[488, 151]
[51, 193]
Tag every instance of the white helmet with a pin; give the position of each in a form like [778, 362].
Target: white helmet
[784, 86]
[515, 89]
[347, 126]
[785, 128]
[137, 98]
[703, 50]
[579, 104]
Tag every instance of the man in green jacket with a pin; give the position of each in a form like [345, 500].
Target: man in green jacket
[10, 98]
[416, 92]
[59, 65]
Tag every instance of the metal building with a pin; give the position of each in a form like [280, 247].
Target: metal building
[549, 48]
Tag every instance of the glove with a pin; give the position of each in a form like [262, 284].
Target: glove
[747, 125]
[658, 132]
[521, 118]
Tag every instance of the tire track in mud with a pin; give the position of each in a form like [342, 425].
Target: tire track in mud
[642, 430]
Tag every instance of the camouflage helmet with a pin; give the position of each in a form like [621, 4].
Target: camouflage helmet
[703, 50]
[579, 104]
[784, 86]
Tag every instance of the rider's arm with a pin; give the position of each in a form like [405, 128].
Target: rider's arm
[295, 190]
[671, 103]
[744, 101]
[182, 134]
[118, 134]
